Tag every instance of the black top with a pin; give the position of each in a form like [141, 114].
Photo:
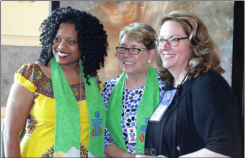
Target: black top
[205, 117]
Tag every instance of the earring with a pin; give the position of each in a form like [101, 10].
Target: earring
[149, 61]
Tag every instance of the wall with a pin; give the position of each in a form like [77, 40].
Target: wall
[115, 15]
[20, 21]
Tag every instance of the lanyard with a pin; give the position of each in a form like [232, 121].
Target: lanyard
[165, 103]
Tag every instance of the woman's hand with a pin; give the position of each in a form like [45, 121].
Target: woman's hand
[145, 156]
[112, 150]
[161, 156]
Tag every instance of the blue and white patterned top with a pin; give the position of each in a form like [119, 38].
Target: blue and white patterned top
[133, 98]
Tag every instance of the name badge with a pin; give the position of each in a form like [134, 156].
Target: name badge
[131, 134]
[163, 106]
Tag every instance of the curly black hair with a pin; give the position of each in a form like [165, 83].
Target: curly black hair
[92, 38]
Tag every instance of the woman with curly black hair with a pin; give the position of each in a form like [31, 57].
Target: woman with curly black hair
[60, 95]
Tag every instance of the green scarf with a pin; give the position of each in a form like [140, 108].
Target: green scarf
[67, 125]
[146, 107]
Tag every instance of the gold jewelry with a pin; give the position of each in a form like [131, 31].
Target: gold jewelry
[80, 90]
[125, 90]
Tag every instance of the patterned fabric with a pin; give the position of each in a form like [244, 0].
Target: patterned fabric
[49, 153]
[129, 109]
[40, 127]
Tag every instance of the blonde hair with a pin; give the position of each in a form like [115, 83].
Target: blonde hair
[142, 33]
[205, 53]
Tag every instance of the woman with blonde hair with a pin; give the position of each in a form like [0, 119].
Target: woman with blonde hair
[197, 116]
[131, 97]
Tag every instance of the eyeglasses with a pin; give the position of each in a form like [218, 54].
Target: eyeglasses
[171, 42]
[132, 51]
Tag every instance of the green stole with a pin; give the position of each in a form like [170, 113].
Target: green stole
[67, 124]
[147, 105]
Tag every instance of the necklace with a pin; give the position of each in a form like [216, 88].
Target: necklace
[80, 90]
[124, 92]
[125, 97]
[182, 80]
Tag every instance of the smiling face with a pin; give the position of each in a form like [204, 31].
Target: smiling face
[65, 46]
[134, 64]
[175, 58]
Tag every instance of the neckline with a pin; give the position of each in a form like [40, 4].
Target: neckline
[50, 80]
[171, 86]
[182, 82]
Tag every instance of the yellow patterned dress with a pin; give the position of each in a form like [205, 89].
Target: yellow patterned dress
[40, 127]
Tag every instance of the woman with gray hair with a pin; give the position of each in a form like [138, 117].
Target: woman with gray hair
[131, 97]
[198, 112]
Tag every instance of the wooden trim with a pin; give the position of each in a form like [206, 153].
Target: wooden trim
[238, 62]
[238, 53]
[3, 111]
[53, 6]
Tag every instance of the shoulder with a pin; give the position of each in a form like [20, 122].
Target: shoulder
[210, 93]
[110, 84]
[211, 84]
[158, 73]
[28, 76]
[97, 79]
[45, 69]
[29, 67]
[32, 72]
[161, 83]
[98, 82]
[112, 81]
[210, 78]
[108, 87]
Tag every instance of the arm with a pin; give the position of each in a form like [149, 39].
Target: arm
[214, 113]
[112, 150]
[204, 153]
[18, 107]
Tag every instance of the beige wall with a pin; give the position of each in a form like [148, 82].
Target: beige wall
[115, 15]
[20, 21]
[3, 110]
